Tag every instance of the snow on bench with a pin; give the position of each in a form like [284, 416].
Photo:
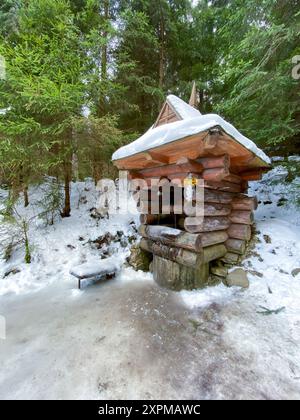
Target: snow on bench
[108, 267]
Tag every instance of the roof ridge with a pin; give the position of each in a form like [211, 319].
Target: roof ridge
[182, 109]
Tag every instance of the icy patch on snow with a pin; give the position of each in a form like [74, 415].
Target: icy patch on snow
[129, 275]
[25, 281]
[76, 293]
[203, 298]
[279, 173]
[294, 158]
[277, 159]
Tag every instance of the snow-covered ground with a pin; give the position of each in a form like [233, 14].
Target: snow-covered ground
[127, 338]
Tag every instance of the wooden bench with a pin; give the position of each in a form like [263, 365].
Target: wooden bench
[96, 270]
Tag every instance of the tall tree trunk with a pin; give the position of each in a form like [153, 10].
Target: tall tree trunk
[104, 34]
[97, 171]
[161, 65]
[23, 183]
[67, 174]
[162, 52]
[12, 197]
[67, 180]
[75, 158]
[75, 167]
[104, 53]
[26, 240]
[201, 99]
[26, 197]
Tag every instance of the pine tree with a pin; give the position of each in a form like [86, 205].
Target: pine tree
[260, 96]
[43, 92]
[9, 16]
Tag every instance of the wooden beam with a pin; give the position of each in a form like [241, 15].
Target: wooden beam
[215, 162]
[156, 157]
[166, 170]
[239, 231]
[212, 196]
[215, 196]
[231, 258]
[182, 256]
[208, 209]
[244, 203]
[251, 175]
[205, 209]
[235, 179]
[242, 217]
[215, 174]
[223, 186]
[210, 141]
[179, 255]
[242, 160]
[206, 224]
[213, 238]
[236, 246]
[172, 237]
[183, 176]
[214, 252]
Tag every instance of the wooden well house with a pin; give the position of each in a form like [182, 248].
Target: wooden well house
[185, 149]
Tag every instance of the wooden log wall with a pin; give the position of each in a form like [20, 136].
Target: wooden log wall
[189, 240]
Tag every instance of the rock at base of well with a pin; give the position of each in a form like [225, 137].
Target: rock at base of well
[295, 272]
[218, 269]
[139, 259]
[239, 278]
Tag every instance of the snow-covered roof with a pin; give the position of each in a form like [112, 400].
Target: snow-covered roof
[192, 123]
[182, 109]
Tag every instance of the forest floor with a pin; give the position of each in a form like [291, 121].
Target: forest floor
[128, 339]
